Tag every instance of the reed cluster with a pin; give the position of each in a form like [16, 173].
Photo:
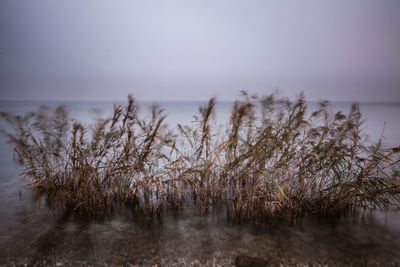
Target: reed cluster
[274, 158]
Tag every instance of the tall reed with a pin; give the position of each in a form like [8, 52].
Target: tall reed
[275, 158]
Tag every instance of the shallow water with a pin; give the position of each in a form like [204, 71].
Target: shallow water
[36, 235]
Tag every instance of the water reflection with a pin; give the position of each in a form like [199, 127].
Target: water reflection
[40, 236]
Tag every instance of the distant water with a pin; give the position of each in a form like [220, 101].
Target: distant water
[379, 117]
[32, 233]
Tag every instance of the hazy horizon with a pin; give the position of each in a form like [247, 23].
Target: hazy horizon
[194, 50]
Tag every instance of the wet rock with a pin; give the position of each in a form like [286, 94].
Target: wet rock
[246, 261]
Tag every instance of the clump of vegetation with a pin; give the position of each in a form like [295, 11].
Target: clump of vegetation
[274, 159]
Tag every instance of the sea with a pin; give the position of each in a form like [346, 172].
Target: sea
[32, 234]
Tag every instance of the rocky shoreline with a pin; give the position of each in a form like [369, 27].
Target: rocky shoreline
[217, 259]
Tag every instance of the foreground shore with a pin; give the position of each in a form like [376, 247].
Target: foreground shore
[184, 239]
[217, 259]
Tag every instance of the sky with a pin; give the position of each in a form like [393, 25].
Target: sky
[340, 50]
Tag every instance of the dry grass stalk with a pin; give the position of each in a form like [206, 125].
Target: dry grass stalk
[275, 159]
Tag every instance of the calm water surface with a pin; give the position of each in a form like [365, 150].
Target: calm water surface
[33, 234]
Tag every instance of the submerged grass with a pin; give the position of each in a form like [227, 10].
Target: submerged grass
[274, 159]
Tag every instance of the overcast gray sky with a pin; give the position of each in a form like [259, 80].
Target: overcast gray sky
[192, 50]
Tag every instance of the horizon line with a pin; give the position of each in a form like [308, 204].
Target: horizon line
[193, 101]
